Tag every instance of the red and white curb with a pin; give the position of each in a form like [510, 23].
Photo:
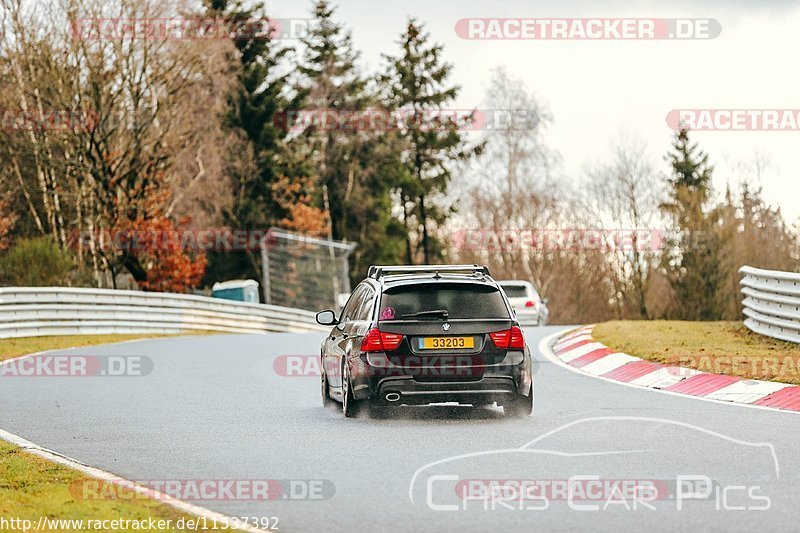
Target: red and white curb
[580, 351]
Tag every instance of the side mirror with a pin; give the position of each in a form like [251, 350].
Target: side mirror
[545, 301]
[327, 318]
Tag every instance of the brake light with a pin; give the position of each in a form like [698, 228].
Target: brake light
[530, 303]
[391, 340]
[517, 341]
[509, 339]
[500, 338]
[379, 341]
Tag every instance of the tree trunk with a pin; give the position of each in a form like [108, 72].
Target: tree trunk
[423, 222]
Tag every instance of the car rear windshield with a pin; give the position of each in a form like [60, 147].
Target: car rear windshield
[515, 291]
[459, 300]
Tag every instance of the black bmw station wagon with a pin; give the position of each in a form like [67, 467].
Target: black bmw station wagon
[424, 334]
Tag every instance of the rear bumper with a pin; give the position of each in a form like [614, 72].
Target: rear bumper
[371, 379]
[411, 392]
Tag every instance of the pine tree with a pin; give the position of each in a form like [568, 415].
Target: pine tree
[330, 89]
[693, 260]
[255, 109]
[354, 167]
[416, 83]
[690, 180]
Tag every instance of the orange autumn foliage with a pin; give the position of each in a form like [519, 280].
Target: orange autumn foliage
[7, 220]
[159, 248]
[295, 196]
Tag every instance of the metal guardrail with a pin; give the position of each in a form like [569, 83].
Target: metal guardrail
[39, 311]
[771, 302]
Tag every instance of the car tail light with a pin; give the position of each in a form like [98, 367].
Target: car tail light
[500, 338]
[530, 303]
[517, 341]
[379, 341]
[509, 339]
[391, 340]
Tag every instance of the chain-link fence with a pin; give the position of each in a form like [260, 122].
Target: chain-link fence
[304, 272]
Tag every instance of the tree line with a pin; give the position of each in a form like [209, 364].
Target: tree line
[633, 239]
[170, 133]
[106, 133]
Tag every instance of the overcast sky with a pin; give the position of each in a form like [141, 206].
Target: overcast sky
[597, 90]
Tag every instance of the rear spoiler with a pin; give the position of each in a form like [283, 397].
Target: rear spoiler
[378, 272]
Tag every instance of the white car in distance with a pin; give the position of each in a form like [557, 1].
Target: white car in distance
[530, 308]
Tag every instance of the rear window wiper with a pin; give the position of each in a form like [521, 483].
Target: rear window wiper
[432, 314]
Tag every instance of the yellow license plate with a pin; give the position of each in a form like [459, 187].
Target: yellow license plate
[444, 343]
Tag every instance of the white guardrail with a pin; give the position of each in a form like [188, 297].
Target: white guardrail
[771, 302]
[39, 311]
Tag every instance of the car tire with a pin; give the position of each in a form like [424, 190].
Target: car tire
[350, 406]
[520, 406]
[327, 400]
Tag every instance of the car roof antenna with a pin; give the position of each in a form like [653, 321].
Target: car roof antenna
[437, 276]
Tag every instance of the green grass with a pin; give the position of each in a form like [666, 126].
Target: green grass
[15, 347]
[717, 347]
[32, 487]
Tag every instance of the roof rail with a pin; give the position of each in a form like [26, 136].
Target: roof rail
[377, 272]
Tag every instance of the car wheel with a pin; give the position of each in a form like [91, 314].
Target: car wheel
[327, 401]
[519, 406]
[349, 404]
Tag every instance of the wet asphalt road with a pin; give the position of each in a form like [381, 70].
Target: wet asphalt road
[219, 408]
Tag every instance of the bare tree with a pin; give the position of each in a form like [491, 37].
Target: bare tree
[514, 189]
[626, 191]
[756, 232]
[516, 215]
[142, 114]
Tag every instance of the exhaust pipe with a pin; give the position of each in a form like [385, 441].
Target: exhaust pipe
[392, 396]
